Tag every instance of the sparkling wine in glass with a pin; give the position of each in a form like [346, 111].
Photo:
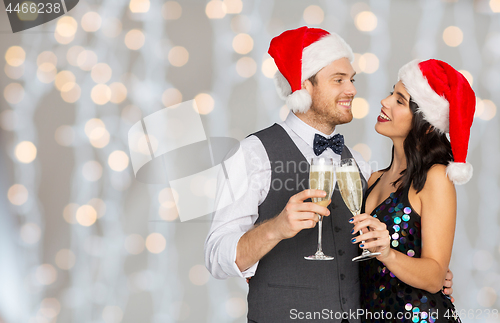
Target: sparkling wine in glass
[351, 190]
[321, 178]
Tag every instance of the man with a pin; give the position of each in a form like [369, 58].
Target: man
[266, 234]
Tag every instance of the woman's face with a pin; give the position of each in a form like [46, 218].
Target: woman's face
[395, 116]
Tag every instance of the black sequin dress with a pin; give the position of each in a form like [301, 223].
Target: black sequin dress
[381, 290]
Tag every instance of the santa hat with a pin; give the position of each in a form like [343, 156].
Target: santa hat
[447, 102]
[299, 54]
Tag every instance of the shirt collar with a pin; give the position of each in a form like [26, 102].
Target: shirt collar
[303, 130]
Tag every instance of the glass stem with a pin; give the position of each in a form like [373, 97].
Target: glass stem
[365, 251]
[363, 242]
[320, 227]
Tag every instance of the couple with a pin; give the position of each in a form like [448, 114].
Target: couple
[409, 209]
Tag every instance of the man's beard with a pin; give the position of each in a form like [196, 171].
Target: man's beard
[329, 115]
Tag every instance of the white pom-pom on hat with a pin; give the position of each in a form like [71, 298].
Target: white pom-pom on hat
[299, 101]
[459, 173]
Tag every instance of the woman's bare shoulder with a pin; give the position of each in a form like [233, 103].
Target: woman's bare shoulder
[437, 184]
[436, 177]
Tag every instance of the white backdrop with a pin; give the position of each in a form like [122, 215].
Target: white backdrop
[83, 241]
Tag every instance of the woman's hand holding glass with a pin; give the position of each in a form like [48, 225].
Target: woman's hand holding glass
[375, 234]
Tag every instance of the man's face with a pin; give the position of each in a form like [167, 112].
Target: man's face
[333, 93]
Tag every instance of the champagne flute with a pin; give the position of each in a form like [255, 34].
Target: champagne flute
[321, 178]
[351, 190]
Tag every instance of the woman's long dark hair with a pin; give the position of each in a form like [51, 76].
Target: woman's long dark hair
[424, 147]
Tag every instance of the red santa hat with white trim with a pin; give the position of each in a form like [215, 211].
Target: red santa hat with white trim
[447, 101]
[299, 54]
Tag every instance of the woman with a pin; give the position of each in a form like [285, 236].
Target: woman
[411, 205]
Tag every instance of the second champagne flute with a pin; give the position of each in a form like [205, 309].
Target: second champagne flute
[351, 190]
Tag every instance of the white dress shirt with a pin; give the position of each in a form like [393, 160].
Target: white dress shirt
[234, 220]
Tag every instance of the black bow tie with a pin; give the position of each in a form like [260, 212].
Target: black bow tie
[336, 143]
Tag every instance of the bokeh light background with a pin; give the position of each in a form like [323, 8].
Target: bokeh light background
[82, 241]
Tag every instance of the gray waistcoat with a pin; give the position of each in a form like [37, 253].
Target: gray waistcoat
[285, 284]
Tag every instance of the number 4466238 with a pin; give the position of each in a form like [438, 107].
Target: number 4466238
[35, 8]
[472, 314]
